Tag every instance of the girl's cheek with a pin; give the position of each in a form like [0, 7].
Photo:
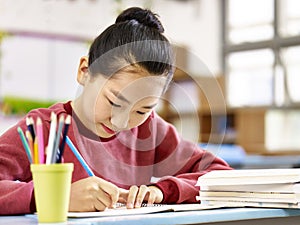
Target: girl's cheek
[137, 120]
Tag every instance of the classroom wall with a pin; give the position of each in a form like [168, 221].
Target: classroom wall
[194, 24]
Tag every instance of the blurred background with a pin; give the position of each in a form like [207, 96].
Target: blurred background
[235, 91]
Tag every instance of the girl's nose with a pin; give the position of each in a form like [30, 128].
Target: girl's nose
[120, 120]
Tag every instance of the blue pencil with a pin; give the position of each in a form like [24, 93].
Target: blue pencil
[25, 144]
[79, 157]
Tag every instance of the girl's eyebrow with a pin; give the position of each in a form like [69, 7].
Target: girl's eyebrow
[150, 106]
[121, 97]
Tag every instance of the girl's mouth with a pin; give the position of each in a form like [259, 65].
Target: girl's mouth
[108, 130]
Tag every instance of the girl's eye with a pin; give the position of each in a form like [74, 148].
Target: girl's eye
[141, 113]
[113, 104]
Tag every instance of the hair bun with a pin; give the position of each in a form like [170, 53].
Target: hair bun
[143, 16]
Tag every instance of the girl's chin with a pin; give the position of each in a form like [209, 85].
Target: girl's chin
[103, 134]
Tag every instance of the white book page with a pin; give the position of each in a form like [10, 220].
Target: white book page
[122, 211]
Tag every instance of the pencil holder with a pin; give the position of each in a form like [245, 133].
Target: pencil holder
[52, 186]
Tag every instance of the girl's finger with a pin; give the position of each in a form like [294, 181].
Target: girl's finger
[143, 190]
[152, 197]
[132, 196]
[112, 190]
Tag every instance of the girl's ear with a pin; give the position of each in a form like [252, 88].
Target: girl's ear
[82, 73]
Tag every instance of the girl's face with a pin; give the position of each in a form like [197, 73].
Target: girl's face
[109, 105]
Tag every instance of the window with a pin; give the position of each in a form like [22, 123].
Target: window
[250, 74]
[261, 52]
[289, 23]
[245, 25]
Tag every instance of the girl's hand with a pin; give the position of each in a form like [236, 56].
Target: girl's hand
[93, 194]
[135, 196]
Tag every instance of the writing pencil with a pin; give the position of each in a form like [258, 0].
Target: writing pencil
[79, 157]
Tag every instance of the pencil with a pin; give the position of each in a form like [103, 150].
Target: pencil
[57, 138]
[79, 157]
[30, 141]
[25, 144]
[51, 138]
[30, 127]
[62, 145]
[40, 137]
[35, 152]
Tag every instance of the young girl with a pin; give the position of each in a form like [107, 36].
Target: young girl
[135, 155]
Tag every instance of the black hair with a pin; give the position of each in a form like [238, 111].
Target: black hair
[134, 39]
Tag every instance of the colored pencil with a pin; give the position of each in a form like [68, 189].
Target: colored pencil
[30, 126]
[35, 152]
[52, 134]
[62, 145]
[30, 141]
[61, 123]
[79, 157]
[40, 137]
[25, 144]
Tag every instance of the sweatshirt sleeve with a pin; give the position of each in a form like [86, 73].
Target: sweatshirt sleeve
[179, 163]
[16, 187]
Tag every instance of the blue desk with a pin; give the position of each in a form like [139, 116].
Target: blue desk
[230, 216]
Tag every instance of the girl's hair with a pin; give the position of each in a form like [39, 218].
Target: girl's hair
[135, 39]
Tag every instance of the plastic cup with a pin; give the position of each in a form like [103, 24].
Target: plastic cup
[52, 186]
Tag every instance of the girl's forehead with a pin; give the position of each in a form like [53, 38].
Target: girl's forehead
[138, 87]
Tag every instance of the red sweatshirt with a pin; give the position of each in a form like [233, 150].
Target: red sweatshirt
[150, 153]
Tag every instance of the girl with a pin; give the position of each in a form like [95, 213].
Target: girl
[135, 155]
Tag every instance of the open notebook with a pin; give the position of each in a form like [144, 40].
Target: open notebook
[122, 211]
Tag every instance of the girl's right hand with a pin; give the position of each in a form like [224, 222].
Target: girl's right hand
[92, 194]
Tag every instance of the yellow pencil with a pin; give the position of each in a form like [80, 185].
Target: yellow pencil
[36, 152]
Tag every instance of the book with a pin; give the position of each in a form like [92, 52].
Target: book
[276, 188]
[232, 203]
[250, 176]
[122, 211]
[248, 199]
[245, 194]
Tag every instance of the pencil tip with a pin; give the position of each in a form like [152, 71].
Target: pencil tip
[61, 118]
[68, 119]
[53, 116]
[38, 120]
[28, 135]
[28, 121]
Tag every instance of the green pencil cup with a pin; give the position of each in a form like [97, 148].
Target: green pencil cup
[52, 186]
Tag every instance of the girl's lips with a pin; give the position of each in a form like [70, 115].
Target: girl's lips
[108, 130]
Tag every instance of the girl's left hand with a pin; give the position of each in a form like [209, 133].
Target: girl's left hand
[135, 196]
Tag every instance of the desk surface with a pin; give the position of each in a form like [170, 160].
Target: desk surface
[220, 216]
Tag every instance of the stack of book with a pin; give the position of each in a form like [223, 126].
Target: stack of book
[273, 188]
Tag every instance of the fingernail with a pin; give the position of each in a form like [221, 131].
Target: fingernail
[130, 205]
[137, 204]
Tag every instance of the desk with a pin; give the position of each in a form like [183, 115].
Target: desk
[232, 216]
